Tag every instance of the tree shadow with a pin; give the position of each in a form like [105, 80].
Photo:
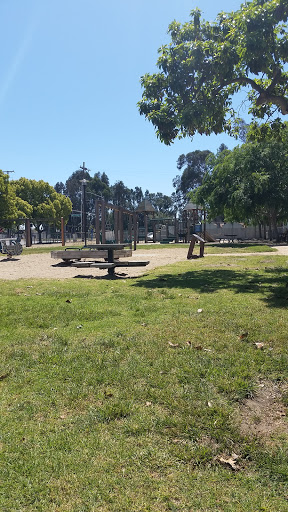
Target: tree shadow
[270, 284]
[106, 277]
[236, 245]
[61, 264]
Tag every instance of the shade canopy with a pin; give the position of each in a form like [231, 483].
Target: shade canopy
[192, 206]
[146, 206]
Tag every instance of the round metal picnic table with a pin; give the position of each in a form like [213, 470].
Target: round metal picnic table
[110, 248]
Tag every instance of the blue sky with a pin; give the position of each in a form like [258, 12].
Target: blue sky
[70, 82]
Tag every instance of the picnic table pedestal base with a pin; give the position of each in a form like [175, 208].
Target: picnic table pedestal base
[111, 270]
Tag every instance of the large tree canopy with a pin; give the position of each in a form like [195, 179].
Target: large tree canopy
[8, 207]
[13, 209]
[46, 204]
[206, 63]
[250, 183]
[194, 167]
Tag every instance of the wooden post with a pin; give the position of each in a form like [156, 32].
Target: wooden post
[121, 225]
[97, 222]
[195, 238]
[103, 222]
[116, 226]
[62, 231]
[201, 254]
[176, 230]
[146, 226]
[188, 228]
[28, 233]
[191, 247]
[130, 228]
[135, 235]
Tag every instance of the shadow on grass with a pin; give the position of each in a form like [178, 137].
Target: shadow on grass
[271, 284]
[235, 245]
[106, 276]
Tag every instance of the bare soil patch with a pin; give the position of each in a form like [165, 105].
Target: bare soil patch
[265, 415]
[41, 266]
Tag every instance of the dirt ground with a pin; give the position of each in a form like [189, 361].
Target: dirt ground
[264, 415]
[43, 266]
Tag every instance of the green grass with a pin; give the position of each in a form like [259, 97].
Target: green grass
[43, 248]
[100, 413]
[212, 248]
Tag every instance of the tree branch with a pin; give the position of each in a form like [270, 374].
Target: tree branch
[265, 95]
[280, 101]
[275, 79]
[241, 80]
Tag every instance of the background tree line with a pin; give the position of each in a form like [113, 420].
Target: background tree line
[98, 186]
[31, 199]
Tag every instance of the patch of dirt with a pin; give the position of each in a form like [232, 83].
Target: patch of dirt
[265, 415]
[41, 266]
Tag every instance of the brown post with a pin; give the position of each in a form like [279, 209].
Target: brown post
[191, 247]
[121, 225]
[154, 232]
[116, 226]
[97, 222]
[62, 231]
[28, 233]
[103, 222]
[130, 228]
[201, 250]
[188, 228]
[135, 234]
[176, 230]
[146, 226]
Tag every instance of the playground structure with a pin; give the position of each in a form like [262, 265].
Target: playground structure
[115, 224]
[140, 225]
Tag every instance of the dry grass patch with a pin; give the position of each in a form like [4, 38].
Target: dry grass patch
[264, 414]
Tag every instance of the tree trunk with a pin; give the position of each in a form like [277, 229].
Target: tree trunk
[270, 231]
[275, 232]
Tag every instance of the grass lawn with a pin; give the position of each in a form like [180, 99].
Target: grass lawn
[212, 248]
[137, 395]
